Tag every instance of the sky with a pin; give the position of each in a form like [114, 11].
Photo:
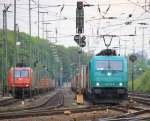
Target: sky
[127, 18]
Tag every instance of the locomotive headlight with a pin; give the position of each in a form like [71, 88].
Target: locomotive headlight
[120, 84]
[109, 74]
[27, 85]
[97, 84]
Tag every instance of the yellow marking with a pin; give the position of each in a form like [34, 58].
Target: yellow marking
[67, 112]
[79, 99]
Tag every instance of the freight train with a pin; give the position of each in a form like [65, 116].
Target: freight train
[104, 79]
[23, 83]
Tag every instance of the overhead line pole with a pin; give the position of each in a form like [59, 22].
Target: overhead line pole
[143, 27]
[38, 19]
[14, 51]
[30, 18]
[30, 41]
[4, 50]
[43, 22]
[38, 77]
[119, 47]
[5, 41]
[46, 29]
[125, 46]
[30, 38]
[142, 56]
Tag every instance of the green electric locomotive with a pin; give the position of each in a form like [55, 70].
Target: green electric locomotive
[106, 78]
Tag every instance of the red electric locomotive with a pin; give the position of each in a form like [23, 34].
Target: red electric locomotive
[24, 84]
[22, 81]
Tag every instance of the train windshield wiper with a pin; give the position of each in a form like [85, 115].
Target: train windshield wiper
[108, 68]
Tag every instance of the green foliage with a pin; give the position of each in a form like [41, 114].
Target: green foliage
[141, 75]
[38, 54]
[142, 83]
[148, 62]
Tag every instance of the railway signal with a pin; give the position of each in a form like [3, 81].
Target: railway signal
[132, 58]
[79, 17]
[82, 42]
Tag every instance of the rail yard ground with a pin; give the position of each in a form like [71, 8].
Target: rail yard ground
[68, 105]
[38, 100]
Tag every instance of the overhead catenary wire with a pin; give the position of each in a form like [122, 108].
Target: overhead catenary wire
[139, 6]
[96, 27]
[48, 4]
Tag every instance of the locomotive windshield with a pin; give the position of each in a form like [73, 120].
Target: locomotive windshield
[17, 73]
[23, 73]
[109, 65]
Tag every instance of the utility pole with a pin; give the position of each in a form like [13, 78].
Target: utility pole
[14, 51]
[30, 40]
[38, 19]
[2, 68]
[30, 36]
[5, 52]
[61, 74]
[46, 29]
[30, 18]
[17, 43]
[145, 5]
[149, 4]
[143, 51]
[119, 47]
[125, 46]
[133, 40]
[38, 70]
[43, 22]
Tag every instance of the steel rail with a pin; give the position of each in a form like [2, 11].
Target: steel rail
[130, 116]
[9, 101]
[48, 112]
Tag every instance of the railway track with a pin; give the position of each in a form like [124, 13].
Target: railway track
[54, 102]
[145, 95]
[140, 98]
[50, 111]
[134, 116]
[51, 107]
[9, 101]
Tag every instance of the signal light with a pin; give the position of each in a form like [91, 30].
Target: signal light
[79, 17]
[79, 5]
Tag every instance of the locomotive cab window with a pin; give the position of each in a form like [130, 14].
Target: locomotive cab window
[109, 65]
[24, 73]
[17, 74]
